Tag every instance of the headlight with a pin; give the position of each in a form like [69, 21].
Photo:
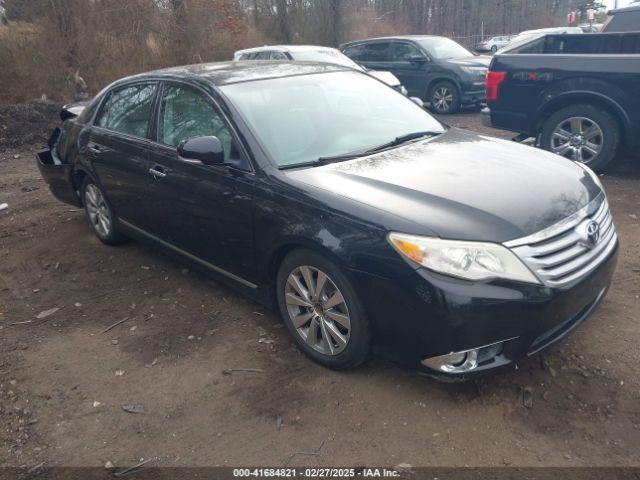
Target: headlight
[469, 260]
[479, 71]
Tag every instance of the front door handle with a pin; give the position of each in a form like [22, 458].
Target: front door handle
[157, 172]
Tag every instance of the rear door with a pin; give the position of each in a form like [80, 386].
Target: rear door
[206, 211]
[411, 67]
[118, 148]
[375, 55]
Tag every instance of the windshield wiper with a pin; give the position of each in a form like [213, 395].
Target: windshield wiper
[353, 155]
[402, 139]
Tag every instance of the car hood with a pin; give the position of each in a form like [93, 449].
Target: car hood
[386, 77]
[463, 186]
[479, 61]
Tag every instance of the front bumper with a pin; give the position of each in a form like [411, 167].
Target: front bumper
[425, 314]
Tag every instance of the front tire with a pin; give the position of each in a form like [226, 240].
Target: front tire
[583, 133]
[99, 214]
[494, 49]
[321, 310]
[444, 98]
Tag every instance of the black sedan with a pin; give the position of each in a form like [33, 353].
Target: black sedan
[369, 224]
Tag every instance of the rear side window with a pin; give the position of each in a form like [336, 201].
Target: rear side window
[186, 113]
[275, 55]
[378, 52]
[128, 110]
[356, 52]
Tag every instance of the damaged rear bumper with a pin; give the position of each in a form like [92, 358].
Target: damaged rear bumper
[58, 177]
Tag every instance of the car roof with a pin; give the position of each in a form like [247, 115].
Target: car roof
[284, 48]
[631, 8]
[550, 30]
[226, 73]
[397, 37]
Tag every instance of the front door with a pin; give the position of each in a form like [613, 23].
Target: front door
[206, 211]
[411, 66]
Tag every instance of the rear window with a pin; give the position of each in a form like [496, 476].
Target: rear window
[128, 110]
[625, 22]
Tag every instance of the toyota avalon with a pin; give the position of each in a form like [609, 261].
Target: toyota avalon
[370, 225]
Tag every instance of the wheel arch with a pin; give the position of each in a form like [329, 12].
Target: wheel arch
[438, 79]
[284, 248]
[589, 98]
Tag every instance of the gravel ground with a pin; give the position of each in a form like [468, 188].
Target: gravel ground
[63, 382]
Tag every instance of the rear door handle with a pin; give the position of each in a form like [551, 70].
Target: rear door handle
[158, 172]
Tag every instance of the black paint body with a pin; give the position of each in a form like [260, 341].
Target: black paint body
[597, 69]
[244, 219]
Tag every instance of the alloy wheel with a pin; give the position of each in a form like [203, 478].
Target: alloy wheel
[442, 99]
[98, 210]
[578, 138]
[317, 309]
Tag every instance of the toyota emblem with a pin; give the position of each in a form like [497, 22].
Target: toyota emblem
[592, 234]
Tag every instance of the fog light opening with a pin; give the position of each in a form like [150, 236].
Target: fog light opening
[465, 361]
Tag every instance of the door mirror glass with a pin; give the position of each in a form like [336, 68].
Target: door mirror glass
[206, 150]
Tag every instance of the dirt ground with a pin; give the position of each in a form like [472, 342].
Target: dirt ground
[63, 381]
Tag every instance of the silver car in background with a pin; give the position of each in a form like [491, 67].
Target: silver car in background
[314, 53]
[494, 44]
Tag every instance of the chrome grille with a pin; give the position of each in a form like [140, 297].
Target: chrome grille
[563, 253]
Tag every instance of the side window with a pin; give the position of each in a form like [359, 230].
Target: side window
[263, 55]
[128, 110]
[404, 52]
[244, 56]
[185, 114]
[275, 55]
[378, 52]
[355, 52]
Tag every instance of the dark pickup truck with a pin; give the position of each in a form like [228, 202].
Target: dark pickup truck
[577, 95]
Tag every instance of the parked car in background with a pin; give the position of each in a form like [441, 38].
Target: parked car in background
[625, 19]
[373, 227]
[494, 44]
[314, 53]
[528, 35]
[435, 69]
[579, 95]
[591, 28]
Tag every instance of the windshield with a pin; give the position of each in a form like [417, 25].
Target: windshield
[303, 118]
[440, 48]
[327, 56]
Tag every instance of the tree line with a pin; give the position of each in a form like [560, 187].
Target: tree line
[56, 47]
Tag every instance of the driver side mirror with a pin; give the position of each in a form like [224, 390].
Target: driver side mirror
[202, 150]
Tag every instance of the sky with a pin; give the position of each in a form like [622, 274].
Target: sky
[621, 3]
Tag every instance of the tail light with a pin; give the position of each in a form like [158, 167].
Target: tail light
[494, 79]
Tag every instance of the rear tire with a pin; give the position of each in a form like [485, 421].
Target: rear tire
[583, 133]
[322, 312]
[99, 214]
[444, 98]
